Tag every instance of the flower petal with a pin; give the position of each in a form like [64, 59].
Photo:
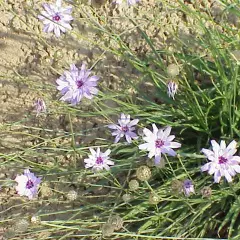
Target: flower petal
[217, 177]
[215, 146]
[166, 132]
[232, 145]
[175, 145]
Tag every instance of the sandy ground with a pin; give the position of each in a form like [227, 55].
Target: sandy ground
[30, 58]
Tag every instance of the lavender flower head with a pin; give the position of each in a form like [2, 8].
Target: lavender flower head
[188, 187]
[172, 89]
[125, 128]
[40, 106]
[76, 84]
[222, 162]
[56, 18]
[98, 160]
[129, 2]
[27, 184]
[159, 141]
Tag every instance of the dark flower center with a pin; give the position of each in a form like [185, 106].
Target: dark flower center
[99, 160]
[56, 18]
[29, 184]
[222, 160]
[125, 129]
[159, 143]
[80, 83]
[187, 184]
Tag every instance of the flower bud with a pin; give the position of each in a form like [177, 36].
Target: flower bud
[40, 106]
[188, 187]
[172, 88]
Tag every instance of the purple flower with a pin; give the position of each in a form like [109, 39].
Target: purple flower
[40, 106]
[222, 162]
[188, 187]
[75, 84]
[159, 141]
[98, 160]
[125, 128]
[172, 89]
[129, 2]
[56, 18]
[27, 184]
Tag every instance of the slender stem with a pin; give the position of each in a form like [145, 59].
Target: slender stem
[73, 140]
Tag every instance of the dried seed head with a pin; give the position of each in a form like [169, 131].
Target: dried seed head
[126, 197]
[116, 221]
[172, 70]
[21, 225]
[150, 162]
[35, 219]
[140, 132]
[45, 190]
[206, 192]
[107, 230]
[58, 54]
[10, 233]
[72, 195]
[161, 164]
[153, 198]
[143, 173]
[133, 185]
[177, 186]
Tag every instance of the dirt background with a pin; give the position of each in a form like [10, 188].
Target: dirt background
[31, 60]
